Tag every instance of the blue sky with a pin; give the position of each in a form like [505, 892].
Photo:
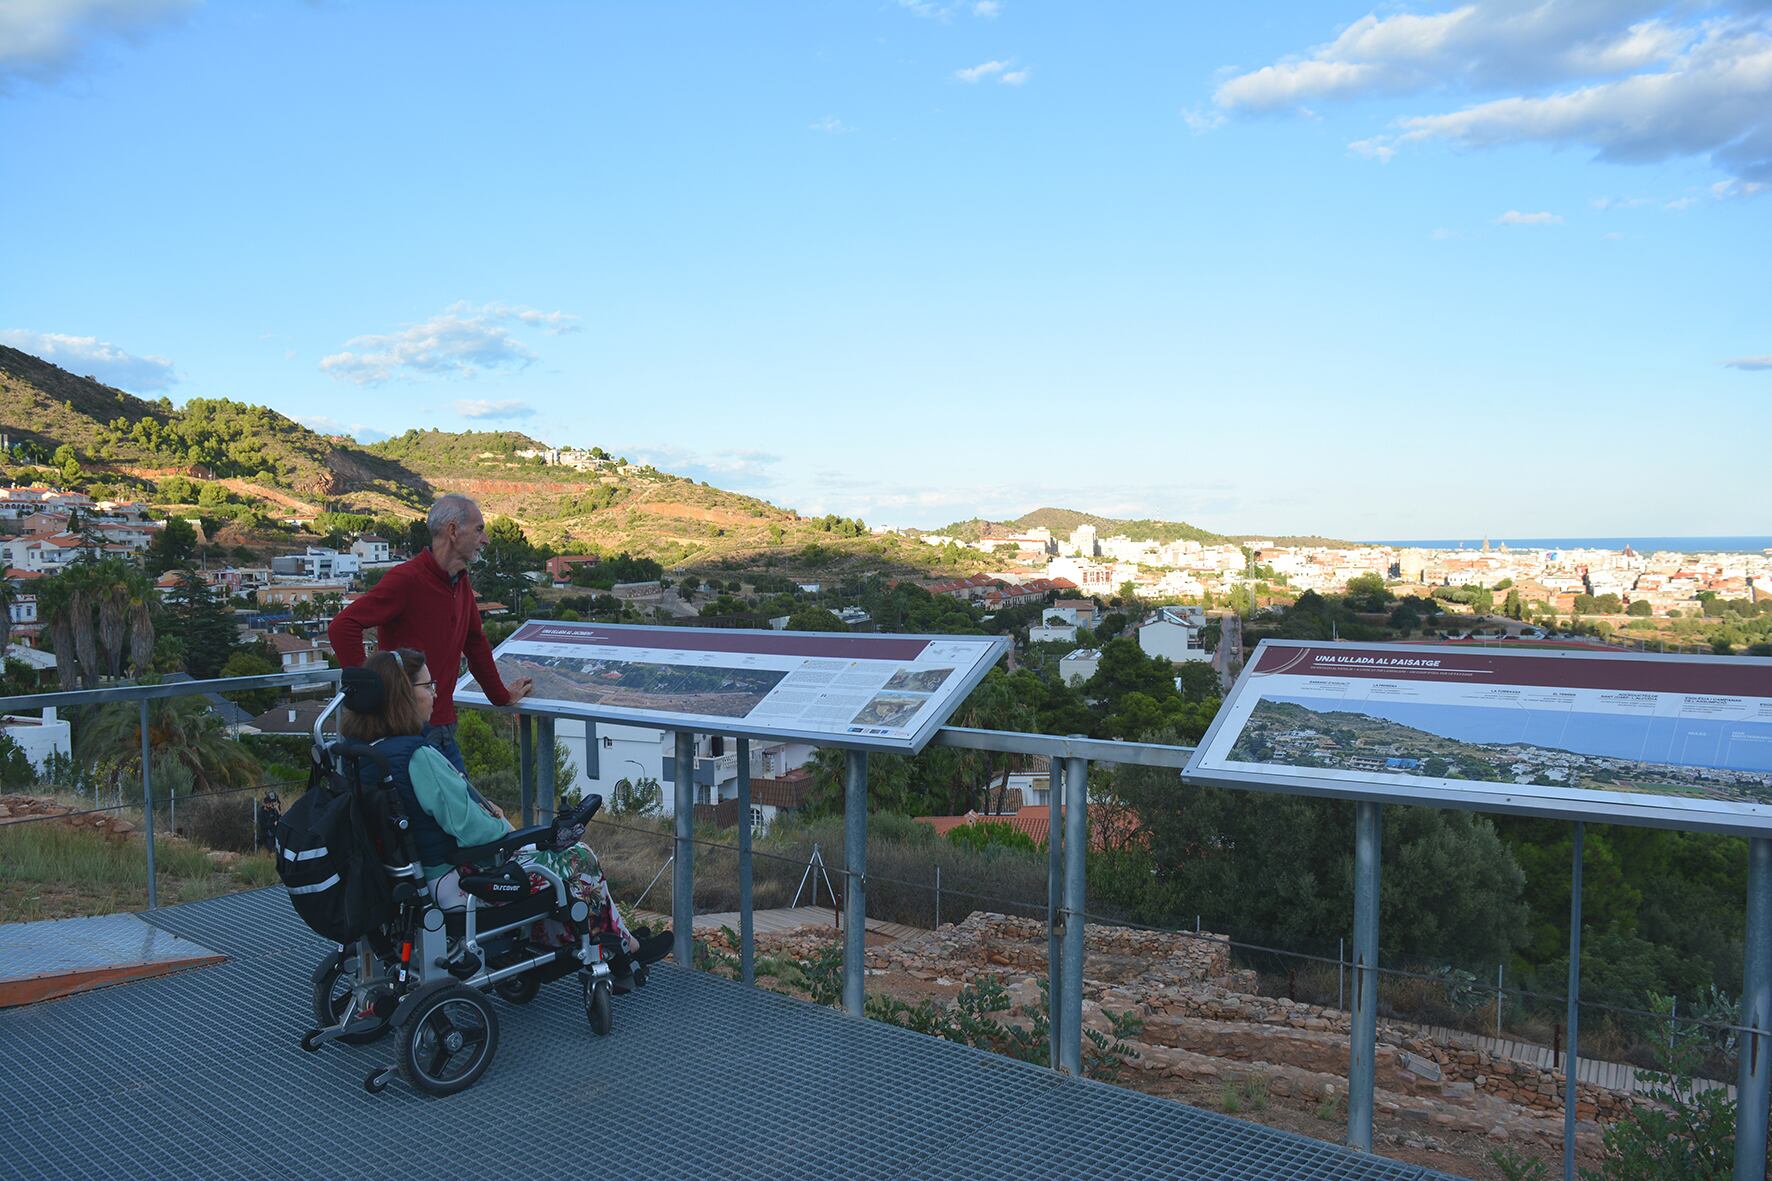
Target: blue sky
[1422, 270]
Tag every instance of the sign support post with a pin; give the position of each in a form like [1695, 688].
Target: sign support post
[545, 769]
[1363, 1029]
[746, 923]
[855, 866]
[1054, 911]
[526, 766]
[1753, 1085]
[683, 872]
[1076, 842]
[1572, 1059]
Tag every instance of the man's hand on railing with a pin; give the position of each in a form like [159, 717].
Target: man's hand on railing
[519, 689]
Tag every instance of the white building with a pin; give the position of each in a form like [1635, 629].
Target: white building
[40, 737]
[317, 562]
[1055, 627]
[1090, 577]
[1174, 634]
[1083, 541]
[641, 752]
[297, 654]
[370, 550]
[1079, 666]
[22, 611]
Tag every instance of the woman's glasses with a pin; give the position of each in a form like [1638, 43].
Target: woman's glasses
[424, 684]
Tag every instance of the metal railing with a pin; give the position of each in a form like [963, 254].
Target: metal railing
[1066, 902]
[142, 695]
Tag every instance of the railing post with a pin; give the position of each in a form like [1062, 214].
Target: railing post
[1572, 1056]
[148, 810]
[1076, 843]
[683, 872]
[1753, 1085]
[526, 767]
[747, 968]
[545, 769]
[1363, 1028]
[1055, 910]
[593, 753]
[855, 863]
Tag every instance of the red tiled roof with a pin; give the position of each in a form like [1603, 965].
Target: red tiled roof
[1108, 824]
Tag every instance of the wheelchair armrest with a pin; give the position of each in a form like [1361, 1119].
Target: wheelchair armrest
[540, 835]
[499, 850]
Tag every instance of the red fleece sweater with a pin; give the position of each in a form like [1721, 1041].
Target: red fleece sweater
[417, 605]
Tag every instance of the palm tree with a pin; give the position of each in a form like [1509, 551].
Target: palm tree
[98, 614]
[188, 745]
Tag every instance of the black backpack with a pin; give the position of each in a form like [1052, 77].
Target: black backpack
[327, 859]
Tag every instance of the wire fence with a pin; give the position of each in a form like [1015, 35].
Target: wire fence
[1435, 998]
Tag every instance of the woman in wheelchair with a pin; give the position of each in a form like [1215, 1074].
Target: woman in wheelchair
[448, 815]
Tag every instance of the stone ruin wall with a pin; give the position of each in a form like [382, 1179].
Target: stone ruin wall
[1202, 1017]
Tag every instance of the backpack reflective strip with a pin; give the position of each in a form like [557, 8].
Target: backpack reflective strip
[316, 887]
[305, 855]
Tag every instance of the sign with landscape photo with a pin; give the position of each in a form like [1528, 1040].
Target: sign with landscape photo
[890, 692]
[1683, 740]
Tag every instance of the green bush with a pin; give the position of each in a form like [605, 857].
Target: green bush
[988, 836]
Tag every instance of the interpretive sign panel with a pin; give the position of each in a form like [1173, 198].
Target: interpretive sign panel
[1681, 741]
[890, 692]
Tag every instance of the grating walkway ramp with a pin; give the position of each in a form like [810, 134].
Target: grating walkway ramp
[198, 1075]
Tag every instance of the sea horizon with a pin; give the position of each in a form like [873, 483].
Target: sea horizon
[1743, 544]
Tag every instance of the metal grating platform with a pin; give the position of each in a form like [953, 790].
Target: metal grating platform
[199, 1075]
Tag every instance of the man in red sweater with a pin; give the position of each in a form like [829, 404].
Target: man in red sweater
[427, 603]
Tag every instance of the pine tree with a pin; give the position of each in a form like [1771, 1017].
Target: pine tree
[204, 622]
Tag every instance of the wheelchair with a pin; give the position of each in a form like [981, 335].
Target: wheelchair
[427, 974]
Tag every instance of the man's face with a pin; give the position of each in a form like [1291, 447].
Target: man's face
[471, 538]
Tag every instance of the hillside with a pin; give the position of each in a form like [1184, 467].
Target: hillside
[1062, 521]
[44, 407]
[275, 467]
[47, 406]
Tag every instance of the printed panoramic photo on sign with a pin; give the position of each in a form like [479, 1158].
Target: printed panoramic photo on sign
[873, 690]
[1696, 733]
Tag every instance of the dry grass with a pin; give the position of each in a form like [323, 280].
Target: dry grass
[902, 859]
[52, 871]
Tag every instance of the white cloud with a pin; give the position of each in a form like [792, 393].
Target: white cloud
[461, 340]
[1016, 77]
[981, 71]
[831, 125]
[944, 10]
[90, 357]
[1621, 78]
[1724, 190]
[41, 39]
[739, 469]
[1750, 363]
[1679, 203]
[482, 409]
[1200, 122]
[1373, 149]
[322, 424]
[1514, 217]
[1443, 234]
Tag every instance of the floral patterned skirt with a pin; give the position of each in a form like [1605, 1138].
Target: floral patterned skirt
[579, 869]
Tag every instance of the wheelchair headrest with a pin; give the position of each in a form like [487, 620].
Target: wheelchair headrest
[362, 691]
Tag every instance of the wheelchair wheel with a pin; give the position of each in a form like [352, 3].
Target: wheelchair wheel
[598, 1007]
[332, 997]
[448, 1041]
